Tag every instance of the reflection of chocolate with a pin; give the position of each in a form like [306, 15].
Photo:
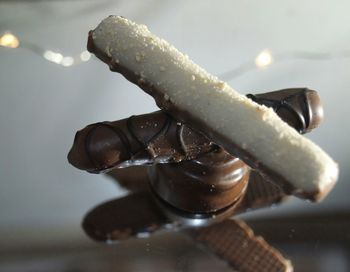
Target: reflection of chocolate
[260, 193]
[140, 213]
[123, 218]
[234, 241]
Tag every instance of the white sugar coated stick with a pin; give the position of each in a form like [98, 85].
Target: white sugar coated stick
[253, 132]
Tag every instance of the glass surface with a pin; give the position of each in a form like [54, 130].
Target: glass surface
[51, 87]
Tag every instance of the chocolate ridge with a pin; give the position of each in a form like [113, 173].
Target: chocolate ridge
[138, 140]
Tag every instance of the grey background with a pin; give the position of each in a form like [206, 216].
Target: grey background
[42, 104]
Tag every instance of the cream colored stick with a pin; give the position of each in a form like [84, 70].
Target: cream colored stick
[245, 129]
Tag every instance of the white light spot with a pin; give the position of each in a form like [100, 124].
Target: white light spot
[263, 59]
[143, 235]
[9, 40]
[85, 56]
[67, 61]
[53, 56]
[48, 55]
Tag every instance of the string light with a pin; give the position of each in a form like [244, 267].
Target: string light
[58, 58]
[67, 61]
[53, 56]
[85, 55]
[9, 40]
[263, 59]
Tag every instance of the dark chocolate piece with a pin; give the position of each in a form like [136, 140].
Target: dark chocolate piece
[301, 108]
[209, 183]
[141, 213]
[138, 140]
[235, 242]
[158, 138]
[131, 216]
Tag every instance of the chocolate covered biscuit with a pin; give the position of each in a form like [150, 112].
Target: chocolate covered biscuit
[252, 132]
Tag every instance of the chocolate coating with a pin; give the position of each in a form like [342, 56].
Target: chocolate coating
[138, 140]
[316, 112]
[158, 138]
[301, 108]
[209, 183]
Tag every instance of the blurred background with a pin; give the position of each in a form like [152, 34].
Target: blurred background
[50, 87]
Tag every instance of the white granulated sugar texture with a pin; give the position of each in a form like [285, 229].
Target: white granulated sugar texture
[255, 128]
